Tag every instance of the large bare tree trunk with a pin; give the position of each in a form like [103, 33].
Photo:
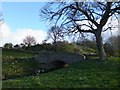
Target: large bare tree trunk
[100, 47]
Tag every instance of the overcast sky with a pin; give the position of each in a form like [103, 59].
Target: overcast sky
[22, 19]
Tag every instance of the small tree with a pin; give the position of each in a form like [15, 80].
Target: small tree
[8, 45]
[112, 45]
[55, 33]
[29, 40]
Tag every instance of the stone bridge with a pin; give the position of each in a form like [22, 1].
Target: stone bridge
[68, 58]
[54, 60]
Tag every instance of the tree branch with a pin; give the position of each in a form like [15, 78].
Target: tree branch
[85, 13]
[106, 14]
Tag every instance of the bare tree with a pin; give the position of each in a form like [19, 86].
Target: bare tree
[55, 34]
[29, 40]
[83, 17]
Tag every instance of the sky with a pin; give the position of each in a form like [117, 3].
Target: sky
[22, 19]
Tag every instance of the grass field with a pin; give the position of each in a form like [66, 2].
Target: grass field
[17, 63]
[86, 74]
[16, 53]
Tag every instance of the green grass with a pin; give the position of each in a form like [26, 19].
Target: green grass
[86, 50]
[86, 74]
[17, 63]
[14, 67]
[91, 73]
[16, 53]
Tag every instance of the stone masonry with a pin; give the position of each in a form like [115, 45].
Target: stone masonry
[69, 58]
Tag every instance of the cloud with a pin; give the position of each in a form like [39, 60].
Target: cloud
[109, 33]
[4, 33]
[4, 30]
[16, 37]
[114, 32]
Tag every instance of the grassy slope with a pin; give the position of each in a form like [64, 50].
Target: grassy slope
[17, 63]
[15, 53]
[87, 74]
